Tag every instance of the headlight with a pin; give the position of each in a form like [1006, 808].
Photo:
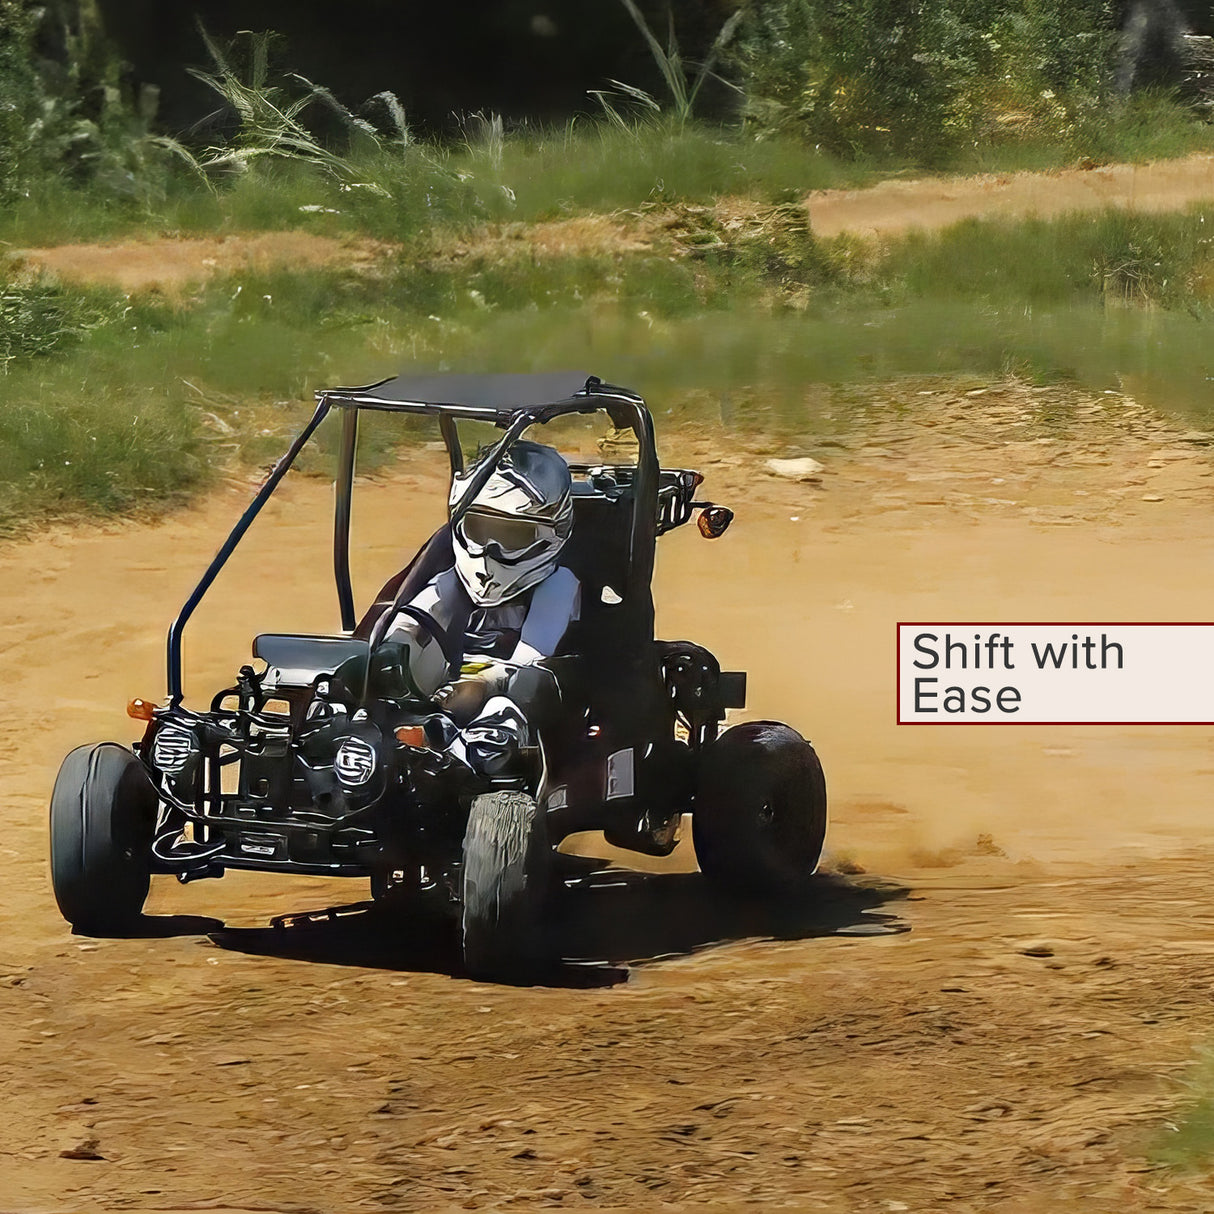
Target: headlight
[172, 749]
[355, 762]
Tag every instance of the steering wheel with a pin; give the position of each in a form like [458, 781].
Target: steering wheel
[389, 661]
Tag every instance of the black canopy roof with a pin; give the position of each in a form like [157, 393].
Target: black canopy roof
[472, 395]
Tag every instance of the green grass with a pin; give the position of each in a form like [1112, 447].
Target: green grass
[400, 193]
[112, 405]
[1115, 256]
[1187, 1143]
[1149, 125]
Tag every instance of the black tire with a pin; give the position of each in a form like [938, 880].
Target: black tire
[504, 882]
[103, 814]
[759, 818]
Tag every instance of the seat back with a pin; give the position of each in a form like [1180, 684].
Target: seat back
[598, 553]
[432, 558]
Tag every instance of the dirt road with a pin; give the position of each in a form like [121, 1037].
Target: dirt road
[892, 207]
[171, 265]
[1017, 1049]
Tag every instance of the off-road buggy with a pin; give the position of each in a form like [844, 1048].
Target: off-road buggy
[328, 760]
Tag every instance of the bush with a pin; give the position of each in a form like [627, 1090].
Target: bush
[64, 115]
[19, 94]
[922, 77]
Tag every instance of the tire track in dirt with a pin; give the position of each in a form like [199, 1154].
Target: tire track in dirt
[1018, 1050]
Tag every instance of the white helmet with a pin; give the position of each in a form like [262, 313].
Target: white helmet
[510, 536]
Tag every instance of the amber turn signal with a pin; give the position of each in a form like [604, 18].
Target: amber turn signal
[714, 521]
[140, 710]
[411, 735]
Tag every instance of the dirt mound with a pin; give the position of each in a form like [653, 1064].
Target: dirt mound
[580, 236]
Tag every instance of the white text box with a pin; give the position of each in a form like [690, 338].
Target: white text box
[1043, 674]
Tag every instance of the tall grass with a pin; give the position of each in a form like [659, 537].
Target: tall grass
[113, 405]
[683, 87]
[399, 193]
[1114, 257]
[268, 167]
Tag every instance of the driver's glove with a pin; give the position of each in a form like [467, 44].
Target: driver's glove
[464, 698]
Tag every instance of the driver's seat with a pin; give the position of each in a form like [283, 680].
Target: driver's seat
[435, 555]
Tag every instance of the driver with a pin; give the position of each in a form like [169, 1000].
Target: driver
[504, 600]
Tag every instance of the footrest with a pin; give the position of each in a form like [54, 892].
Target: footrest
[328, 914]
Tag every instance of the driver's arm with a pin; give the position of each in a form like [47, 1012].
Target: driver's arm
[428, 664]
[555, 603]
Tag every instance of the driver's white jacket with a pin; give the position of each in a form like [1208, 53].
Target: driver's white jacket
[520, 631]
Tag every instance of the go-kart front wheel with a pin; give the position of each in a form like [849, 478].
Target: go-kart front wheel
[759, 819]
[504, 888]
[103, 815]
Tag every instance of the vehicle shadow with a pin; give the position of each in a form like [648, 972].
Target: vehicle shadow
[604, 920]
[162, 927]
[612, 915]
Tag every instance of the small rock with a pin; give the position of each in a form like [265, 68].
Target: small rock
[84, 1150]
[1151, 497]
[795, 469]
[1039, 948]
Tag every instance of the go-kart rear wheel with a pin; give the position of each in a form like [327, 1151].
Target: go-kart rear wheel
[759, 819]
[504, 887]
[103, 815]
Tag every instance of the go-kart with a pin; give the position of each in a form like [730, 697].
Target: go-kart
[326, 758]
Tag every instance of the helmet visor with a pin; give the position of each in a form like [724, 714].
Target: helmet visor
[511, 535]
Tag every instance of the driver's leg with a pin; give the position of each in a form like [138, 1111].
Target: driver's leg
[491, 742]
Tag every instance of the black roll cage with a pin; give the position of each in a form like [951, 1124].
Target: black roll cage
[626, 409]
